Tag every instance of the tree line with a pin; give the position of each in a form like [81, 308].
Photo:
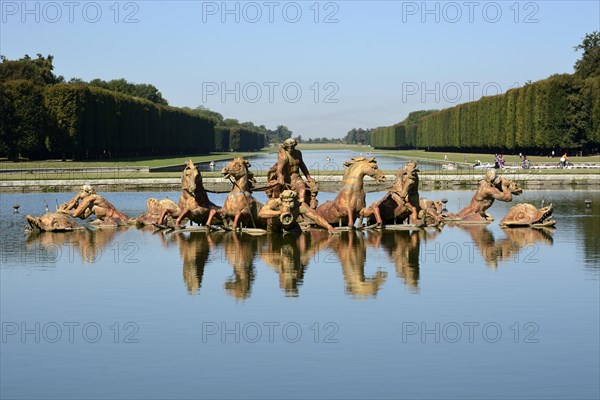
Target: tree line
[42, 116]
[277, 135]
[560, 112]
[238, 138]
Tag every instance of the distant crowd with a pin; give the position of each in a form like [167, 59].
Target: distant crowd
[499, 161]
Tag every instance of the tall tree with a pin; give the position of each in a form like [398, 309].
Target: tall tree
[589, 64]
[283, 133]
[141, 90]
[38, 70]
[205, 112]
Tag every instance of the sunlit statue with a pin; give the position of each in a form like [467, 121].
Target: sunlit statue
[154, 209]
[51, 222]
[350, 201]
[491, 188]
[402, 203]
[527, 215]
[87, 203]
[282, 213]
[433, 211]
[240, 207]
[286, 174]
[193, 202]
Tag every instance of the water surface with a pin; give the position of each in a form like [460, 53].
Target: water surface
[321, 161]
[477, 312]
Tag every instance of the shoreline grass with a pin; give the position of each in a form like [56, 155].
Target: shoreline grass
[137, 162]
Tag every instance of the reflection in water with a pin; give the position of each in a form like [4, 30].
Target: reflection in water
[87, 244]
[240, 251]
[195, 249]
[289, 255]
[518, 242]
[350, 248]
[403, 248]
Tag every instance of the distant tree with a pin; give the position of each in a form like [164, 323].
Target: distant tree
[231, 122]
[350, 136]
[37, 70]
[249, 125]
[205, 112]
[282, 133]
[357, 136]
[589, 64]
[141, 90]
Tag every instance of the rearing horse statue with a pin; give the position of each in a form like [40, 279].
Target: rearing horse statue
[193, 202]
[403, 203]
[350, 201]
[240, 205]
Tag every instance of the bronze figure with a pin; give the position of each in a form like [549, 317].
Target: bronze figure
[350, 201]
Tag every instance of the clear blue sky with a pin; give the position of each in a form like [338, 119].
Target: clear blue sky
[362, 64]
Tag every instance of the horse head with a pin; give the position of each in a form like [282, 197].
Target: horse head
[237, 169]
[191, 178]
[364, 166]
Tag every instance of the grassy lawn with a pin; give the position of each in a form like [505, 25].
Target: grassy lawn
[146, 162]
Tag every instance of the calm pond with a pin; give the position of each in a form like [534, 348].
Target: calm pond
[477, 312]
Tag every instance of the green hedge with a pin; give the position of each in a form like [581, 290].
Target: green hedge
[239, 138]
[400, 136]
[23, 119]
[90, 122]
[222, 138]
[561, 112]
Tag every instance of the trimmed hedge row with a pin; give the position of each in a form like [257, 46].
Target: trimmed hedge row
[561, 112]
[90, 122]
[238, 139]
[23, 119]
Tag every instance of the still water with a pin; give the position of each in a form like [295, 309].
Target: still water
[476, 312]
[322, 161]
